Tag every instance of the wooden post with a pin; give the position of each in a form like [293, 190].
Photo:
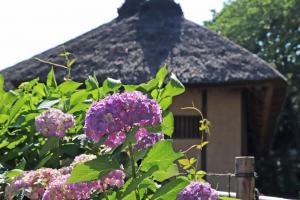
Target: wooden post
[244, 172]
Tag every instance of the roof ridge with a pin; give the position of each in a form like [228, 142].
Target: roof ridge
[152, 7]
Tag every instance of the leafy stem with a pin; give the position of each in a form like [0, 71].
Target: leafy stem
[133, 168]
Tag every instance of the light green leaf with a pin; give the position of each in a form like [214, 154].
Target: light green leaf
[1, 84]
[9, 175]
[48, 104]
[162, 155]
[173, 88]
[170, 190]
[94, 169]
[168, 123]
[68, 86]
[111, 85]
[163, 175]
[78, 97]
[3, 118]
[51, 81]
[165, 103]
[161, 75]
[91, 83]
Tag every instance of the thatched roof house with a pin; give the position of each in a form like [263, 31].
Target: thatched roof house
[241, 94]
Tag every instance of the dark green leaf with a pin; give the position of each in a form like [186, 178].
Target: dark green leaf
[134, 183]
[51, 143]
[44, 161]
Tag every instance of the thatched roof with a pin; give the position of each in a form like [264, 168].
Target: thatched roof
[147, 34]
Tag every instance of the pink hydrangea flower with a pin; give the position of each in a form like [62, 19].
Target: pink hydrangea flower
[53, 122]
[34, 183]
[60, 189]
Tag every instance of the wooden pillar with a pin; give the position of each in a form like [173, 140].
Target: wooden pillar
[244, 172]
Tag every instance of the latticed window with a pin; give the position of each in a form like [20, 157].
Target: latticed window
[186, 127]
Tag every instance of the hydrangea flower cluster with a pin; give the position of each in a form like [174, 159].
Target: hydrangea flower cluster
[53, 122]
[60, 189]
[197, 190]
[47, 183]
[34, 183]
[117, 113]
[146, 139]
[82, 159]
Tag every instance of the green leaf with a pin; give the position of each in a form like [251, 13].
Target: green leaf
[44, 161]
[227, 198]
[162, 155]
[3, 118]
[48, 104]
[202, 144]
[16, 142]
[50, 144]
[51, 81]
[94, 169]
[17, 107]
[168, 124]
[163, 175]
[78, 97]
[170, 190]
[161, 75]
[134, 183]
[9, 175]
[4, 143]
[165, 103]
[111, 85]
[39, 90]
[1, 84]
[68, 86]
[173, 88]
[91, 83]
[21, 165]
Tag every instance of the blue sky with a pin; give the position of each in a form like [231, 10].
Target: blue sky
[33, 26]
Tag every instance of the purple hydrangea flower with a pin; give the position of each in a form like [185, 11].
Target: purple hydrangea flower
[117, 113]
[54, 122]
[197, 191]
[61, 189]
[146, 139]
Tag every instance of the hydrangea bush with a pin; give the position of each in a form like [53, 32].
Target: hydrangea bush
[95, 141]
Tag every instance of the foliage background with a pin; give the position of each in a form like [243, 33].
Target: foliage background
[271, 29]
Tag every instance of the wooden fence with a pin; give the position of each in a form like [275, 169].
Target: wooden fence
[245, 181]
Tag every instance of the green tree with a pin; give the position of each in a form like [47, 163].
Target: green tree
[270, 29]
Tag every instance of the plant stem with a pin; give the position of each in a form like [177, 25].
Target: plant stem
[133, 169]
